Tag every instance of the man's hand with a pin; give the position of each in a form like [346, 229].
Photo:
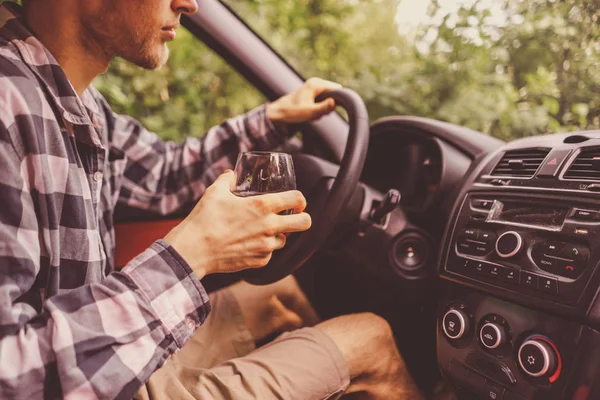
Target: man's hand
[300, 106]
[226, 233]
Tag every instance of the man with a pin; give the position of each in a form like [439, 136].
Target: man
[71, 326]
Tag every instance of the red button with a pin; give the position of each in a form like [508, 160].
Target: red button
[553, 163]
[569, 269]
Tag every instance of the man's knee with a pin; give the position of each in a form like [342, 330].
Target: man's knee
[376, 368]
[370, 328]
[365, 340]
[377, 328]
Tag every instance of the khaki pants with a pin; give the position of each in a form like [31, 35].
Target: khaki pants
[221, 362]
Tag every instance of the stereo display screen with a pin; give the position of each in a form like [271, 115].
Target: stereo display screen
[547, 217]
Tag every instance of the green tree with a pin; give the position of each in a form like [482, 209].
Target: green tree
[536, 73]
[553, 57]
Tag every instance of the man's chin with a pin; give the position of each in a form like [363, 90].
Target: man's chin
[162, 57]
[153, 59]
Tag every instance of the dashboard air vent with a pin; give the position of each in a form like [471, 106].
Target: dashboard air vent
[520, 163]
[586, 166]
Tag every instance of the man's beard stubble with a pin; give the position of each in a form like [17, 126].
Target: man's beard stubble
[145, 54]
[116, 39]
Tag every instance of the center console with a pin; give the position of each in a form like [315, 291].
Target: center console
[542, 246]
[518, 317]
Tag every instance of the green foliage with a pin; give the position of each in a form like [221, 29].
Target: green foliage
[536, 73]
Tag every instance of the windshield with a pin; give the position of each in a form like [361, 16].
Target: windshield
[509, 68]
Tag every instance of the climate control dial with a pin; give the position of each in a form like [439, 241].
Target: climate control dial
[492, 335]
[539, 358]
[456, 324]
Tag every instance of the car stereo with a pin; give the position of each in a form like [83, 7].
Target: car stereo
[541, 247]
[521, 214]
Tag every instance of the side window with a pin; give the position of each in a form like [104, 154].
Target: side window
[193, 92]
[503, 67]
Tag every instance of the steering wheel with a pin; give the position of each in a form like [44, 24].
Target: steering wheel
[304, 245]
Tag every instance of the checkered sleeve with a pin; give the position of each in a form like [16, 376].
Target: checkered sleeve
[101, 340]
[164, 176]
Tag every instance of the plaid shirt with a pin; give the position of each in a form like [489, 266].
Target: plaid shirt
[70, 326]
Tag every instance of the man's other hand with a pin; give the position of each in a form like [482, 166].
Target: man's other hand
[227, 233]
[300, 105]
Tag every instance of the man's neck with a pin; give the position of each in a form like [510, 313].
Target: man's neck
[64, 36]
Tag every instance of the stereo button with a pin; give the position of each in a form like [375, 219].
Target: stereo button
[586, 215]
[548, 285]
[548, 264]
[470, 233]
[510, 275]
[552, 248]
[509, 244]
[487, 237]
[481, 249]
[471, 247]
[529, 280]
[569, 269]
[459, 264]
[466, 247]
[575, 252]
[494, 271]
[481, 268]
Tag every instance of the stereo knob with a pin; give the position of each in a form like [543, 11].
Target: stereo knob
[492, 335]
[456, 324]
[537, 358]
[509, 244]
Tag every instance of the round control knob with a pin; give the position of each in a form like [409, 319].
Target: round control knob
[492, 335]
[537, 358]
[455, 324]
[509, 244]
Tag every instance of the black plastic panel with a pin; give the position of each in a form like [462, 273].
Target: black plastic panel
[542, 281]
[487, 368]
[556, 262]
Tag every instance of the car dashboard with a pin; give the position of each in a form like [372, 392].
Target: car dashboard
[519, 314]
[410, 164]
